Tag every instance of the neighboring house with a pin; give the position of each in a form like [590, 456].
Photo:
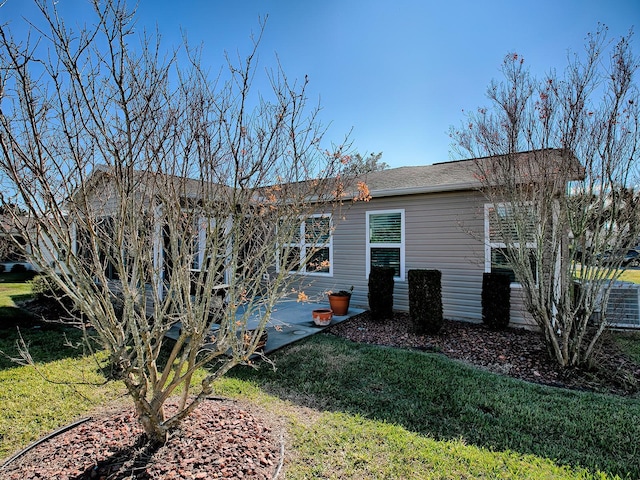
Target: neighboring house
[12, 245]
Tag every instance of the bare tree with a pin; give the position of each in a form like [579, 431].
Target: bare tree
[158, 199]
[359, 165]
[563, 214]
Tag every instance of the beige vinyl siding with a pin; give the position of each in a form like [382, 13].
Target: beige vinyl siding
[443, 231]
[348, 258]
[442, 235]
[519, 315]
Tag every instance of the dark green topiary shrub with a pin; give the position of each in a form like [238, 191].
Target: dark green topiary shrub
[18, 268]
[496, 300]
[425, 300]
[381, 292]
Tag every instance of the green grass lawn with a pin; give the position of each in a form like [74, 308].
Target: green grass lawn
[355, 411]
[13, 288]
[630, 275]
[358, 411]
[625, 275]
[457, 417]
[65, 385]
[629, 342]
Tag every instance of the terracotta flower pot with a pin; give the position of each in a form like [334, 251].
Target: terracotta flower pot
[339, 304]
[322, 316]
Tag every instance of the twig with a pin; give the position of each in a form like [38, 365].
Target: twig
[281, 462]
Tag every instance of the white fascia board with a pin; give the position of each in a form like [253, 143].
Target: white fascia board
[394, 192]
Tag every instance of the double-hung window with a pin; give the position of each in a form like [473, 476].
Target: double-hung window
[385, 240]
[509, 230]
[311, 248]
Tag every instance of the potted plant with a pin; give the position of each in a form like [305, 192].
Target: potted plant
[339, 301]
[322, 316]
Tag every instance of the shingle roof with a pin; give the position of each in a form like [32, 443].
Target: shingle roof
[458, 175]
[437, 177]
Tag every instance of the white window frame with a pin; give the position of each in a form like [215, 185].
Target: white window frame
[489, 245]
[302, 245]
[400, 245]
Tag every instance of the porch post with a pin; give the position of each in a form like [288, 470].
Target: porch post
[158, 253]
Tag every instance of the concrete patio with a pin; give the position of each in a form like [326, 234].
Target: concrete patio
[290, 321]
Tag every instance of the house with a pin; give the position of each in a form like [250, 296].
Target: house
[424, 217]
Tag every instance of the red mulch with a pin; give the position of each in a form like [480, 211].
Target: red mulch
[224, 440]
[220, 440]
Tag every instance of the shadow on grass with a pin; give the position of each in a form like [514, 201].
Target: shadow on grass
[446, 400]
[21, 297]
[45, 342]
[17, 277]
[14, 288]
[12, 316]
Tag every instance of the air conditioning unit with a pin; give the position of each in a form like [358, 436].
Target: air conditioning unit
[623, 307]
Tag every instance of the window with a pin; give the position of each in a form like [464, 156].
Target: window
[506, 228]
[311, 249]
[385, 241]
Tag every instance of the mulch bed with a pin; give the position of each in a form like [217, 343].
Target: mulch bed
[518, 353]
[223, 439]
[219, 440]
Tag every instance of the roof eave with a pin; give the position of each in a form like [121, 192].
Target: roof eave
[453, 187]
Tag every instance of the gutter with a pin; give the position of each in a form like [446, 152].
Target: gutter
[452, 187]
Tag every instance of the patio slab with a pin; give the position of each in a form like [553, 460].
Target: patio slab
[290, 321]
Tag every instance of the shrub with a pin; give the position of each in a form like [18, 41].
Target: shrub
[381, 292]
[425, 300]
[41, 288]
[50, 297]
[2, 268]
[496, 300]
[19, 268]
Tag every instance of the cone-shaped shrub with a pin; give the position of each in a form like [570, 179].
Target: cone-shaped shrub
[496, 300]
[381, 292]
[425, 300]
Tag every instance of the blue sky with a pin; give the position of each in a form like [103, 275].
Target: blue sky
[397, 74]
